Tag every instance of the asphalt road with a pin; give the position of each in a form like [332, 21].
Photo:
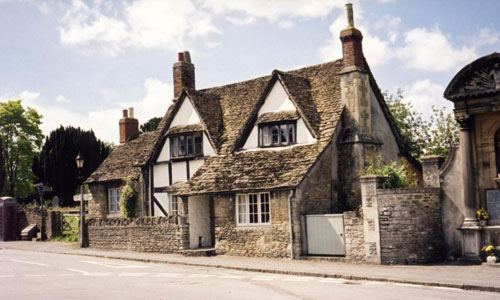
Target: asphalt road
[30, 275]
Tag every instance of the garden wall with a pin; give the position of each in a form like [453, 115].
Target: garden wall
[402, 226]
[145, 234]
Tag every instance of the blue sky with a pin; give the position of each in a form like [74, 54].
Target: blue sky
[80, 62]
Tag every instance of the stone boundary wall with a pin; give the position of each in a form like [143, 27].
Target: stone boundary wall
[410, 226]
[401, 226]
[30, 214]
[145, 234]
[354, 237]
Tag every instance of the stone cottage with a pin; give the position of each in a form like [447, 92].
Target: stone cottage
[242, 164]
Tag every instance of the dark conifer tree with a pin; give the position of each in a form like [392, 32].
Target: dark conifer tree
[57, 160]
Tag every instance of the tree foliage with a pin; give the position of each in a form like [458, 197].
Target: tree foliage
[151, 124]
[423, 137]
[21, 139]
[128, 198]
[396, 175]
[2, 168]
[57, 160]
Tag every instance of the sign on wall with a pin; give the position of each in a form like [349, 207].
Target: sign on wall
[493, 203]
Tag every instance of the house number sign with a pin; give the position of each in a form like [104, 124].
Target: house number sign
[493, 203]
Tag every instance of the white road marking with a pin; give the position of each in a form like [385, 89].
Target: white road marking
[409, 285]
[6, 276]
[201, 275]
[132, 274]
[114, 265]
[168, 275]
[87, 273]
[447, 288]
[64, 275]
[29, 262]
[374, 283]
[231, 277]
[264, 278]
[35, 275]
[297, 279]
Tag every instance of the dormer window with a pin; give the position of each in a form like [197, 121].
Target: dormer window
[187, 144]
[277, 134]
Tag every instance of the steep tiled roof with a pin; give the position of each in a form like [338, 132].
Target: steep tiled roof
[284, 115]
[124, 159]
[316, 92]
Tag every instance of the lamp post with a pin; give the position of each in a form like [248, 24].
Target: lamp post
[79, 164]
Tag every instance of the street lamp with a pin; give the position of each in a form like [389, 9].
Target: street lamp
[79, 164]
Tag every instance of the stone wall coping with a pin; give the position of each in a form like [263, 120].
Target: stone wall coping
[428, 190]
[432, 157]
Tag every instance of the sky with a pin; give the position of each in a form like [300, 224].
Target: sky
[80, 63]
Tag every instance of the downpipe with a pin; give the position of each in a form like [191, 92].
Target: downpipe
[290, 195]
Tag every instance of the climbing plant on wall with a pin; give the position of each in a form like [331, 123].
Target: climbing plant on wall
[128, 198]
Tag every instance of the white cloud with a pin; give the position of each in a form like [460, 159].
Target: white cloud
[104, 123]
[62, 99]
[487, 36]
[430, 50]
[423, 94]
[376, 50]
[285, 24]
[241, 21]
[145, 24]
[276, 9]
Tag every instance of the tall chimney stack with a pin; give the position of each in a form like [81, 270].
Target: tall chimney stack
[352, 48]
[129, 126]
[183, 73]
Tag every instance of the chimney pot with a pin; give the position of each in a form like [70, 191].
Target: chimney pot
[125, 113]
[129, 126]
[131, 112]
[180, 56]
[349, 14]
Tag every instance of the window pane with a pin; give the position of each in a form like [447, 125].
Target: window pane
[174, 150]
[189, 145]
[198, 143]
[241, 207]
[284, 134]
[118, 193]
[253, 209]
[175, 206]
[275, 131]
[291, 133]
[182, 145]
[266, 136]
[264, 208]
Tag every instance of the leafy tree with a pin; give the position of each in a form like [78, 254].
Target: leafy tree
[2, 168]
[435, 136]
[57, 160]
[150, 125]
[21, 138]
[396, 175]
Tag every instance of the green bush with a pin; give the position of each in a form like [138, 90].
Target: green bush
[396, 175]
[128, 198]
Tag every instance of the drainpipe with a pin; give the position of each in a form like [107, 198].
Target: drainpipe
[290, 222]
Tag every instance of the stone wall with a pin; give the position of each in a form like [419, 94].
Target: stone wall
[257, 241]
[146, 234]
[33, 215]
[354, 237]
[401, 226]
[98, 206]
[410, 226]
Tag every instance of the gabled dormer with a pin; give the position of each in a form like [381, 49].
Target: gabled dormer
[279, 121]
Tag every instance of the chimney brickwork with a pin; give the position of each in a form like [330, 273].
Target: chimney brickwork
[352, 47]
[183, 73]
[129, 126]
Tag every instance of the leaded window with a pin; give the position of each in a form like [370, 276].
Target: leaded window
[114, 200]
[189, 144]
[277, 134]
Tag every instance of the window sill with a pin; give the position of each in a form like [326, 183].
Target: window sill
[114, 215]
[187, 157]
[256, 226]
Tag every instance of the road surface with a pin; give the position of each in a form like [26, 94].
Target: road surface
[31, 275]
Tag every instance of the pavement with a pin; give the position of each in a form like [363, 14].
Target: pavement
[483, 277]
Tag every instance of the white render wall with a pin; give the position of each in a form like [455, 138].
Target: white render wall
[194, 165]
[179, 170]
[199, 221]
[164, 200]
[160, 175]
[186, 115]
[277, 100]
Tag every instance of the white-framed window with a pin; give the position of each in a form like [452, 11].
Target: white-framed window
[174, 206]
[114, 200]
[253, 209]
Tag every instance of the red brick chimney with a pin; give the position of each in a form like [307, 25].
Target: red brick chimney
[129, 126]
[183, 73]
[352, 48]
